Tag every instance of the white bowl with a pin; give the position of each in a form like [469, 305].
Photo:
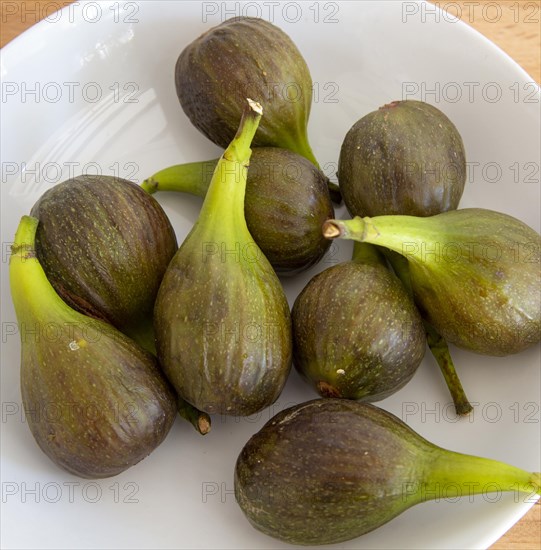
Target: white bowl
[92, 89]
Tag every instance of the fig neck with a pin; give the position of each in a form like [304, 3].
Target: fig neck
[193, 178]
[451, 475]
[33, 294]
[222, 212]
[412, 237]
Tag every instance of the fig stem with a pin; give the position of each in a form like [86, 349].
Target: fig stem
[465, 475]
[436, 343]
[193, 178]
[198, 419]
[224, 201]
[355, 229]
[440, 350]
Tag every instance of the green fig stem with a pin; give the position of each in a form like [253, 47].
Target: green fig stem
[440, 350]
[224, 201]
[367, 254]
[395, 232]
[437, 345]
[27, 278]
[450, 474]
[345, 229]
[198, 419]
[193, 178]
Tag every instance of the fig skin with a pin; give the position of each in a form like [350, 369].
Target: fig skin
[287, 201]
[285, 220]
[356, 332]
[475, 273]
[112, 415]
[246, 57]
[330, 470]
[96, 403]
[105, 245]
[405, 158]
[222, 321]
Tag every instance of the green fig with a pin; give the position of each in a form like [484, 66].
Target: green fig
[246, 57]
[406, 158]
[287, 201]
[105, 244]
[475, 273]
[331, 470]
[222, 321]
[356, 332]
[96, 402]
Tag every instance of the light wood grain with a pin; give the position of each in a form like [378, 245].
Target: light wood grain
[515, 27]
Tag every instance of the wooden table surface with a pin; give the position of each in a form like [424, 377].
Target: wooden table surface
[515, 26]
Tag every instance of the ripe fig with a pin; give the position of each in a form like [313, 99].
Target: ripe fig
[105, 245]
[475, 273]
[287, 201]
[331, 470]
[222, 321]
[356, 332]
[112, 406]
[246, 57]
[406, 158]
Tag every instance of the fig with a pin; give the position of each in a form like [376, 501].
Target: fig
[104, 245]
[356, 332]
[406, 158]
[286, 203]
[96, 402]
[331, 470]
[475, 273]
[246, 57]
[222, 321]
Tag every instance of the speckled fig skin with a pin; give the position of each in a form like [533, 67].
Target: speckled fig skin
[330, 470]
[246, 57]
[100, 409]
[405, 158]
[95, 401]
[285, 219]
[356, 332]
[222, 321]
[475, 273]
[104, 244]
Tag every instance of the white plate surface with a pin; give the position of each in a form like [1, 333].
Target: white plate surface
[92, 89]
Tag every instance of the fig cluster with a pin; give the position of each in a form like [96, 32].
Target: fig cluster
[148, 329]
